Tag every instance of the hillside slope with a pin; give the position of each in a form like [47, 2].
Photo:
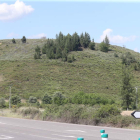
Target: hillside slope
[92, 72]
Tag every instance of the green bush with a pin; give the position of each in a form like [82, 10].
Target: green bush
[90, 99]
[23, 39]
[13, 40]
[46, 99]
[32, 112]
[2, 103]
[115, 55]
[15, 100]
[58, 98]
[107, 111]
[104, 47]
[32, 99]
[128, 58]
[69, 60]
[92, 45]
[120, 121]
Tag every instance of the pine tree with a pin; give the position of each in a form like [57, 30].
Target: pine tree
[13, 40]
[92, 45]
[104, 47]
[87, 40]
[82, 40]
[106, 40]
[23, 39]
[75, 42]
[37, 53]
[127, 91]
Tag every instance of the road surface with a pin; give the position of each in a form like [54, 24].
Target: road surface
[22, 129]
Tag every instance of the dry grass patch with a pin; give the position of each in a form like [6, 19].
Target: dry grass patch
[126, 113]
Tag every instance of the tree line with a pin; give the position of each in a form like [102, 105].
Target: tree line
[63, 44]
[23, 40]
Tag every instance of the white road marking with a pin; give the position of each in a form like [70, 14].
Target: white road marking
[33, 135]
[2, 123]
[5, 137]
[76, 130]
[64, 136]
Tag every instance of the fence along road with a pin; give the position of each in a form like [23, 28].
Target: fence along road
[22, 129]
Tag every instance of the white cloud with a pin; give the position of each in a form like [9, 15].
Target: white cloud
[37, 36]
[14, 11]
[12, 35]
[116, 38]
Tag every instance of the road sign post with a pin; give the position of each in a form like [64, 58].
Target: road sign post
[136, 114]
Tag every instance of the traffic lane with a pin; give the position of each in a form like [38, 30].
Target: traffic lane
[46, 134]
[24, 136]
[80, 130]
[19, 132]
[13, 135]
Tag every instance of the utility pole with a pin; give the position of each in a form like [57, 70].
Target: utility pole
[10, 99]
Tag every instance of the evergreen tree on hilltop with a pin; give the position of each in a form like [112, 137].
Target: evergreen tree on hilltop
[87, 40]
[92, 45]
[104, 45]
[75, 41]
[106, 40]
[82, 40]
[37, 53]
[68, 43]
[13, 40]
[23, 39]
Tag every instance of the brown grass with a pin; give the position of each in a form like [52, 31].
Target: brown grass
[126, 113]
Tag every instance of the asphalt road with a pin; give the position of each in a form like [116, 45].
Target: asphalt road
[22, 129]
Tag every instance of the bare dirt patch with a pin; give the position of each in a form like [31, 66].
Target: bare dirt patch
[126, 113]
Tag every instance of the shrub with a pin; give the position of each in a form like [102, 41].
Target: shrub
[72, 58]
[46, 99]
[31, 112]
[13, 40]
[104, 47]
[58, 98]
[37, 53]
[92, 45]
[2, 103]
[128, 58]
[15, 100]
[107, 110]
[90, 99]
[32, 99]
[23, 39]
[115, 55]
[69, 60]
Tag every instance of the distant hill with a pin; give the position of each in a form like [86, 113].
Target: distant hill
[92, 72]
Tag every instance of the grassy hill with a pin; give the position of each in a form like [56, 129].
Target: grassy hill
[92, 72]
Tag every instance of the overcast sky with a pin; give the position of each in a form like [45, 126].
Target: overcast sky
[119, 19]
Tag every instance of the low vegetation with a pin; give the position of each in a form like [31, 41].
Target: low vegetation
[69, 79]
